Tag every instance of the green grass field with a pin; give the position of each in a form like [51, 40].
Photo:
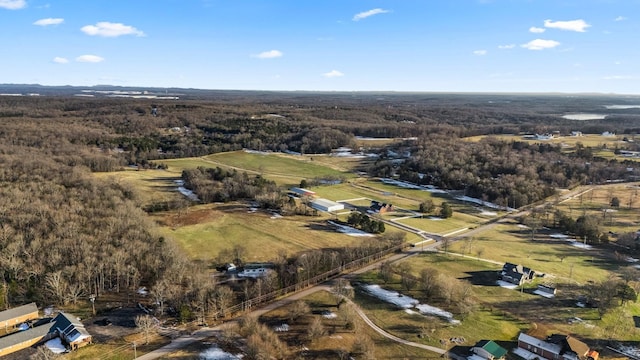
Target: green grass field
[151, 185]
[509, 242]
[207, 229]
[459, 221]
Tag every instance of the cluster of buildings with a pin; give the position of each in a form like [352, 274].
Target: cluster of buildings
[315, 202]
[24, 328]
[554, 347]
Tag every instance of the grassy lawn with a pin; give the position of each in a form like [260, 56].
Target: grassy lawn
[205, 230]
[274, 164]
[440, 226]
[152, 185]
[555, 257]
[620, 220]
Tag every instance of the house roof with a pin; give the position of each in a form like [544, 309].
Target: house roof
[19, 337]
[569, 343]
[70, 327]
[492, 348]
[18, 311]
[553, 348]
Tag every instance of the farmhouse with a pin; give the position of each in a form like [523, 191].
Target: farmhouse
[18, 315]
[381, 208]
[516, 274]
[487, 350]
[67, 327]
[326, 205]
[555, 347]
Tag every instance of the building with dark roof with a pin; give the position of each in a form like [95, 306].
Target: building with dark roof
[67, 327]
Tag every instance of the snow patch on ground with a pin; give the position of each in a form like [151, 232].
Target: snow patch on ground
[410, 312]
[488, 213]
[558, 236]
[186, 192]
[55, 345]
[630, 351]
[522, 226]
[581, 245]
[506, 285]
[349, 230]
[407, 303]
[23, 327]
[281, 328]
[435, 218]
[545, 294]
[329, 315]
[215, 353]
[483, 203]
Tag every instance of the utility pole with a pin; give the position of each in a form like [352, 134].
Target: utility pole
[135, 352]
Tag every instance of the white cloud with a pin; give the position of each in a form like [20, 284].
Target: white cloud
[571, 25]
[108, 29]
[13, 4]
[618, 77]
[508, 46]
[89, 58]
[540, 44]
[333, 74]
[536, 30]
[271, 54]
[480, 52]
[49, 21]
[366, 14]
[60, 60]
[620, 18]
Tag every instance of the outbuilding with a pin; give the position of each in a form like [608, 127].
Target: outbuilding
[326, 205]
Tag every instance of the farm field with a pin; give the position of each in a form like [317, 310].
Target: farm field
[204, 230]
[435, 225]
[151, 185]
[618, 220]
[284, 170]
[511, 242]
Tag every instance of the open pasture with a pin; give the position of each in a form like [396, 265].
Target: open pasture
[561, 261]
[203, 231]
[597, 202]
[435, 225]
[151, 185]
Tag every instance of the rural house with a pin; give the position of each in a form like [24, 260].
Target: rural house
[487, 350]
[381, 208]
[555, 347]
[516, 274]
[68, 328]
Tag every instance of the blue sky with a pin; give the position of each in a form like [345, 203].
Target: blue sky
[326, 45]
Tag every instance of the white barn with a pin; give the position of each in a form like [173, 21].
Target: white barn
[326, 205]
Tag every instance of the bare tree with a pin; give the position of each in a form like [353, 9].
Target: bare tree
[316, 329]
[297, 309]
[342, 290]
[385, 273]
[363, 345]
[224, 298]
[429, 281]
[147, 324]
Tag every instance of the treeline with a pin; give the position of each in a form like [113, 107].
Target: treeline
[507, 173]
[65, 234]
[220, 185]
